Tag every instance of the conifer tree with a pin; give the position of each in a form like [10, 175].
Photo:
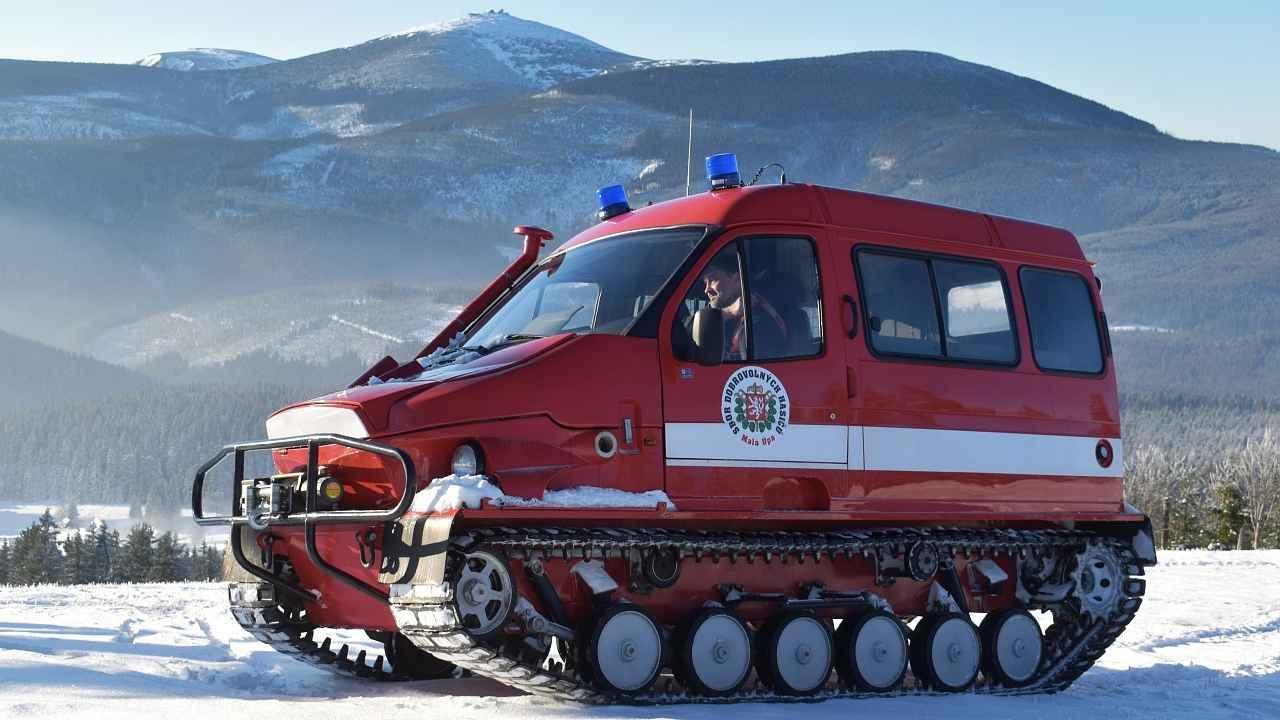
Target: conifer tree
[98, 552]
[207, 563]
[6, 559]
[113, 570]
[166, 559]
[36, 558]
[137, 553]
[76, 561]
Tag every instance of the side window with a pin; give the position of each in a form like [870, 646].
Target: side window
[767, 288]
[899, 300]
[785, 310]
[907, 298]
[975, 312]
[1064, 328]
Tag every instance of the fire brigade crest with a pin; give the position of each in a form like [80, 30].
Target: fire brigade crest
[754, 406]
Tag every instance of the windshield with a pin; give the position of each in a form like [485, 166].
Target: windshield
[600, 287]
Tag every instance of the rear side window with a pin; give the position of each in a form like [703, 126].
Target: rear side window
[1064, 327]
[938, 308]
[975, 312]
[899, 298]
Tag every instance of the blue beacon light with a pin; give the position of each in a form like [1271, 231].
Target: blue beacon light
[722, 171]
[613, 201]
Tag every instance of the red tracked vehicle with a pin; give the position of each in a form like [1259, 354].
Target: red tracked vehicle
[766, 442]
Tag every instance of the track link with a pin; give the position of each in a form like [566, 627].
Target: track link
[1072, 643]
[254, 608]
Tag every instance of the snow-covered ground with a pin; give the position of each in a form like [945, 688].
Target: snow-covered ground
[1205, 645]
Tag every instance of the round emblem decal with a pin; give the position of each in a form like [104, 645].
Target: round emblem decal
[755, 406]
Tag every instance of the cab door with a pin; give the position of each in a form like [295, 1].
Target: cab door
[765, 429]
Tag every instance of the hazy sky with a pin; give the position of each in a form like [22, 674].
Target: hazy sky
[1199, 70]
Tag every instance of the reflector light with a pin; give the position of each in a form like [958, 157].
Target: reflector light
[722, 171]
[331, 490]
[613, 201]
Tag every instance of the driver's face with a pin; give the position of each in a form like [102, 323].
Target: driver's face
[722, 289]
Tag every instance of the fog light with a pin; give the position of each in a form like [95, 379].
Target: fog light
[331, 489]
[466, 460]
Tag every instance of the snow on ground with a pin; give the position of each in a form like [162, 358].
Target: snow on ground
[1205, 645]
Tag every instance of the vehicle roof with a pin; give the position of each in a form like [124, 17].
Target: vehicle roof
[815, 204]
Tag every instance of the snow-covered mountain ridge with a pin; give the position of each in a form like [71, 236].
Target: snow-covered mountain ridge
[199, 59]
[410, 156]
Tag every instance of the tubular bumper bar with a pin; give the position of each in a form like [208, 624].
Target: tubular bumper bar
[310, 517]
[312, 443]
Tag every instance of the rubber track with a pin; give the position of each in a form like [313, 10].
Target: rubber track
[295, 638]
[1072, 644]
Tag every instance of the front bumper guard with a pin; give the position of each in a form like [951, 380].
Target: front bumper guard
[310, 518]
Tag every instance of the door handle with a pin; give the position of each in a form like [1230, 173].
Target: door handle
[852, 324]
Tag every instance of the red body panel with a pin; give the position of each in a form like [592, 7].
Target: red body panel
[535, 408]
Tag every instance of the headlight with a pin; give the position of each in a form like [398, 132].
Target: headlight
[467, 460]
[316, 420]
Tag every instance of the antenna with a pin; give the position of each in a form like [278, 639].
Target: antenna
[688, 173]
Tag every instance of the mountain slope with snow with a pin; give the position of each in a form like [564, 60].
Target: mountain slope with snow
[409, 155]
[490, 54]
[1204, 646]
[200, 59]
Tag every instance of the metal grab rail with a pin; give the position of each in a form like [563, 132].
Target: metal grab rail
[312, 443]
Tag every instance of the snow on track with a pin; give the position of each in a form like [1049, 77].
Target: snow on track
[1205, 645]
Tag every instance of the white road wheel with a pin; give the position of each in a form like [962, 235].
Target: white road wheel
[798, 654]
[717, 652]
[872, 652]
[625, 649]
[946, 652]
[1012, 646]
[484, 594]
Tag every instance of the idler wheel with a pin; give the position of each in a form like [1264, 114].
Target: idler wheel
[624, 649]
[484, 594]
[946, 652]
[1012, 646]
[412, 661]
[871, 652]
[715, 655]
[796, 653]
[1098, 577]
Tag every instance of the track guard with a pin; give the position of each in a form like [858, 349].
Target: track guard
[415, 550]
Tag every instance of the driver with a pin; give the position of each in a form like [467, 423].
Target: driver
[722, 284]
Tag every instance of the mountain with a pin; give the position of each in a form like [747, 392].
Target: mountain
[199, 59]
[408, 158]
[37, 376]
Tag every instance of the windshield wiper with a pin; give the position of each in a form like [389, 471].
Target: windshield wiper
[508, 339]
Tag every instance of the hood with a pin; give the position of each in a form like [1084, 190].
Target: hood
[374, 402]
